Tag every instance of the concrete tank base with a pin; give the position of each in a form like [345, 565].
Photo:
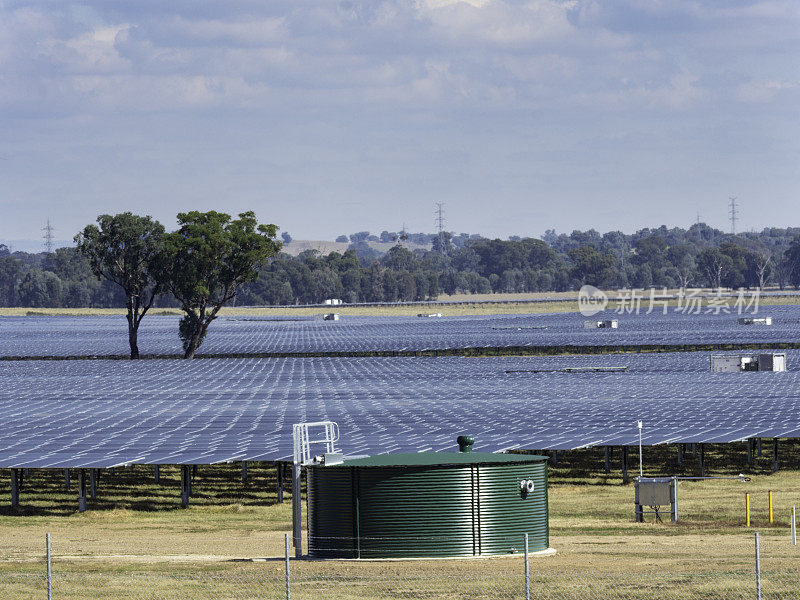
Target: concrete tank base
[537, 554]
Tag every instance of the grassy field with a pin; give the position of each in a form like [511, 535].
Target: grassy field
[377, 311]
[135, 534]
[502, 304]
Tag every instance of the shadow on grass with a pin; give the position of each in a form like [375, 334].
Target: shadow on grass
[44, 493]
[587, 466]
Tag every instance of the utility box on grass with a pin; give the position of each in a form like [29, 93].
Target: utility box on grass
[655, 492]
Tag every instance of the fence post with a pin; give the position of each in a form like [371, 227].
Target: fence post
[49, 569]
[527, 572]
[288, 584]
[758, 570]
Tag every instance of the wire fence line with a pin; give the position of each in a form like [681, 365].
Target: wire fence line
[428, 583]
[284, 577]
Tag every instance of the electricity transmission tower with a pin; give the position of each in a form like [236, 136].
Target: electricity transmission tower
[48, 237]
[440, 226]
[732, 212]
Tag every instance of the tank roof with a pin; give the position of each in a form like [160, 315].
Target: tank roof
[416, 459]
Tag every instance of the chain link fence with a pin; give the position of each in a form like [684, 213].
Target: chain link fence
[344, 583]
[510, 577]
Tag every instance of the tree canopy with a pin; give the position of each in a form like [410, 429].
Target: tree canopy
[122, 249]
[206, 261]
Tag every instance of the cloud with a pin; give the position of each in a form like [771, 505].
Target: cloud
[525, 89]
[763, 91]
[483, 54]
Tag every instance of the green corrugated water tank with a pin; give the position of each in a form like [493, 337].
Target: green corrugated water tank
[435, 504]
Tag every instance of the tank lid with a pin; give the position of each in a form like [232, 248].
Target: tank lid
[414, 459]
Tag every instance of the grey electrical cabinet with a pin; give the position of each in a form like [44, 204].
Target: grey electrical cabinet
[655, 492]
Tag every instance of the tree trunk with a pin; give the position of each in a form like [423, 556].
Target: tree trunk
[133, 340]
[196, 340]
[133, 334]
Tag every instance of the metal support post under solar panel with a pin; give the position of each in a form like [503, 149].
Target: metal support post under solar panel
[185, 483]
[82, 490]
[93, 484]
[775, 456]
[14, 488]
[681, 450]
[157, 474]
[279, 474]
[702, 460]
[66, 478]
[624, 465]
[244, 471]
[608, 461]
[750, 452]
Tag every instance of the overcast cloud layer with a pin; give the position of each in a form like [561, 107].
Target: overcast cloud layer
[330, 117]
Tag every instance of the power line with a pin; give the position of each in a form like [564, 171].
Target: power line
[48, 237]
[732, 212]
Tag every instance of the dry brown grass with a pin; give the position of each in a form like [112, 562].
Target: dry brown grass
[135, 523]
[502, 304]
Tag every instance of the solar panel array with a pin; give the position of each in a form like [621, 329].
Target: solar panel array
[107, 413]
[106, 336]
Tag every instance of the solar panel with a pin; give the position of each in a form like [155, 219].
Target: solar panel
[107, 335]
[102, 413]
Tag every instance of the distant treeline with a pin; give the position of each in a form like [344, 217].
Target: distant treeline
[698, 257]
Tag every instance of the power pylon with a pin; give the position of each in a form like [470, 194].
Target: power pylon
[48, 237]
[440, 226]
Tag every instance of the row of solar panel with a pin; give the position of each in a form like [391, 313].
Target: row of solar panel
[107, 413]
[105, 336]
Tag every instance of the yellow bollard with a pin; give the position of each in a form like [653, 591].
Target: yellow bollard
[770, 507]
[747, 509]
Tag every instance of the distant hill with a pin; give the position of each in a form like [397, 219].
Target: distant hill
[295, 247]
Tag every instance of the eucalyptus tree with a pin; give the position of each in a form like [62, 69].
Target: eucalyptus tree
[125, 249]
[205, 262]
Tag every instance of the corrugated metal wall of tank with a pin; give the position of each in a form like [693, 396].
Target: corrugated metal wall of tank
[331, 519]
[416, 511]
[505, 514]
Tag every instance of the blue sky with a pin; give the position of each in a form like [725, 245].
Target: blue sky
[328, 117]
